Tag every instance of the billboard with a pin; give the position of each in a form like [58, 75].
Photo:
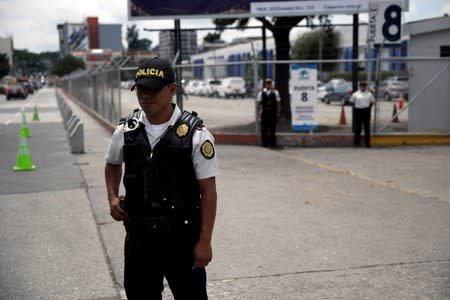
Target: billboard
[77, 37]
[170, 9]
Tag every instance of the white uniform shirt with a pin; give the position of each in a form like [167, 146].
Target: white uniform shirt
[277, 95]
[204, 167]
[362, 99]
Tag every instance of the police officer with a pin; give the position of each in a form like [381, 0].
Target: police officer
[170, 197]
[362, 101]
[269, 107]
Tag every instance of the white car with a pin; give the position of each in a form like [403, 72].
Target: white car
[210, 88]
[191, 87]
[231, 87]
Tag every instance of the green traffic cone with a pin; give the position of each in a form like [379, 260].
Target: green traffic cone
[24, 131]
[24, 162]
[36, 114]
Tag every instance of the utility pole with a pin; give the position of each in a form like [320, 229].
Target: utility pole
[178, 71]
[355, 55]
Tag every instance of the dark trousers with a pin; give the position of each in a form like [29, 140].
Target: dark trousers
[148, 261]
[362, 118]
[268, 127]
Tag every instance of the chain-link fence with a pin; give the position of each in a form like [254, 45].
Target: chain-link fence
[99, 91]
[411, 93]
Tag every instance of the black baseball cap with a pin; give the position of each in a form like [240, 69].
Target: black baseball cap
[154, 74]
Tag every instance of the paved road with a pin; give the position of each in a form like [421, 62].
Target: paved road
[296, 223]
[219, 113]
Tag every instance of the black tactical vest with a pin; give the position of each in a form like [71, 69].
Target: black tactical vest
[269, 101]
[161, 182]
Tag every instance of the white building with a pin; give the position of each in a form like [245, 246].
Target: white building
[243, 52]
[7, 47]
[429, 79]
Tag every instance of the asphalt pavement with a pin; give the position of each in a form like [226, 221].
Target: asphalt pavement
[293, 223]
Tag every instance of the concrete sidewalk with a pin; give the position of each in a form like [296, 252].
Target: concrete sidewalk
[308, 223]
[297, 223]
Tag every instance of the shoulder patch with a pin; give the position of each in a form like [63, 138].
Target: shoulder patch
[182, 130]
[207, 149]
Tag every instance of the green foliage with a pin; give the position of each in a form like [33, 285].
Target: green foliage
[307, 46]
[67, 65]
[5, 68]
[134, 43]
[212, 37]
[28, 62]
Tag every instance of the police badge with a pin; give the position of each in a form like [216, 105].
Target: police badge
[182, 130]
[207, 149]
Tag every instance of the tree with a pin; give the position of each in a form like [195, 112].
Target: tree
[132, 37]
[134, 43]
[5, 68]
[307, 46]
[280, 28]
[27, 62]
[212, 37]
[67, 65]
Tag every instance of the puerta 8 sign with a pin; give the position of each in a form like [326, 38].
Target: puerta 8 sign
[304, 97]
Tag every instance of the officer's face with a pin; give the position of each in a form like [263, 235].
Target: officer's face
[156, 103]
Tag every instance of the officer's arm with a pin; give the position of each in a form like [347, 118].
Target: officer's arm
[113, 175]
[203, 251]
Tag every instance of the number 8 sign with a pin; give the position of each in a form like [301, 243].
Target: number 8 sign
[392, 23]
[385, 22]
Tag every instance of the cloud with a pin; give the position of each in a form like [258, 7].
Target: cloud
[445, 9]
[33, 23]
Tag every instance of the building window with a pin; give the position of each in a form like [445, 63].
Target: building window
[445, 51]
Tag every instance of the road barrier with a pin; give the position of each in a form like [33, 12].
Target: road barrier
[72, 124]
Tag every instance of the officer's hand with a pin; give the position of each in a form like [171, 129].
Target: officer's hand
[202, 254]
[115, 210]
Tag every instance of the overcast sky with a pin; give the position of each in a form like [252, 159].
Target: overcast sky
[32, 24]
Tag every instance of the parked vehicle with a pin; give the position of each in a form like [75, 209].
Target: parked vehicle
[338, 92]
[210, 87]
[30, 87]
[323, 89]
[231, 87]
[201, 88]
[191, 87]
[393, 87]
[16, 90]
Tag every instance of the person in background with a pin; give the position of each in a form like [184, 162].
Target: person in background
[269, 108]
[362, 100]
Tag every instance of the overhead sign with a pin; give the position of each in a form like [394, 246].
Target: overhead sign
[385, 22]
[170, 9]
[304, 97]
[306, 8]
